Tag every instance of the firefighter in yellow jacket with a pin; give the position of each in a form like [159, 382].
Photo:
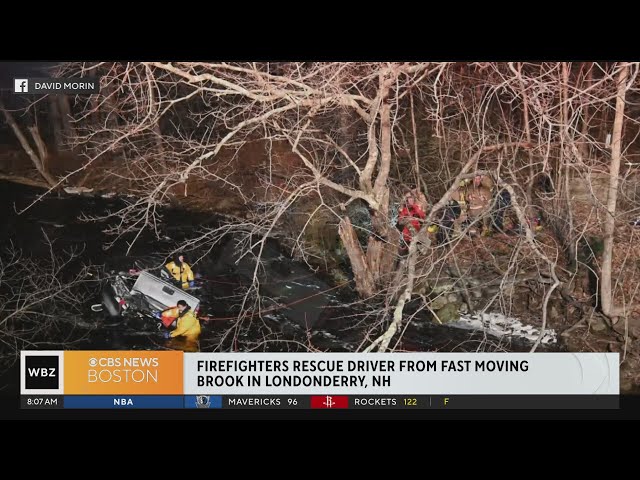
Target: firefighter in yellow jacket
[475, 198]
[188, 325]
[169, 316]
[181, 272]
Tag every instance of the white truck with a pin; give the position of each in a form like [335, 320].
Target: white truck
[142, 294]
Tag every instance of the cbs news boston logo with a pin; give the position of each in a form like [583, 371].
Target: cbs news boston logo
[123, 372]
[86, 372]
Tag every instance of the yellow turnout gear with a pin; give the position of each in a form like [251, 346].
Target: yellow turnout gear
[182, 273]
[188, 327]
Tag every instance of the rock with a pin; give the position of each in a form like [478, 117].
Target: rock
[598, 324]
[453, 298]
[627, 385]
[535, 302]
[420, 290]
[422, 287]
[338, 276]
[438, 302]
[508, 290]
[521, 300]
[614, 347]
[448, 313]
[443, 287]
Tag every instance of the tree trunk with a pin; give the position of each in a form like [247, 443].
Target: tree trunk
[56, 122]
[65, 115]
[346, 135]
[365, 284]
[606, 293]
[158, 138]
[24, 181]
[40, 145]
[583, 146]
[37, 161]
[371, 268]
[162, 160]
[527, 129]
[416, 154]
[382, 254]
[568, 218]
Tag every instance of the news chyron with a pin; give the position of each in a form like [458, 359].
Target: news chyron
[46, 86]
[409, 381]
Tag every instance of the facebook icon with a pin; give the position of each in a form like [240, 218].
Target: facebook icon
[20, 85]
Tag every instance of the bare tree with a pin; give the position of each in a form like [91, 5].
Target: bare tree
[181, 127]
[612, 196]
[293, 106]
[42, 300]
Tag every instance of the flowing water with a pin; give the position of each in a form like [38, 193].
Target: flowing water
[300, 309]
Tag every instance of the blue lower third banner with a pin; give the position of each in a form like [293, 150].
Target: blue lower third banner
[124, 401]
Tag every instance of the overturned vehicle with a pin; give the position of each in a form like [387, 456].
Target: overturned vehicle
[139, 294]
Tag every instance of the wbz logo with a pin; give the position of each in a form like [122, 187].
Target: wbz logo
[41, 371]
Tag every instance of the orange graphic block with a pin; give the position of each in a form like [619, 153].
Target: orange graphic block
[129, 373]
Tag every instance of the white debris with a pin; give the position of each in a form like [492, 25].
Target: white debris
[109, 195]
[77, 190]
[501, 325]
[308, 286]
[48, 222]
[328, 335]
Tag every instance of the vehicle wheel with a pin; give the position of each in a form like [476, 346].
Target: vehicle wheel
[110, 303]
